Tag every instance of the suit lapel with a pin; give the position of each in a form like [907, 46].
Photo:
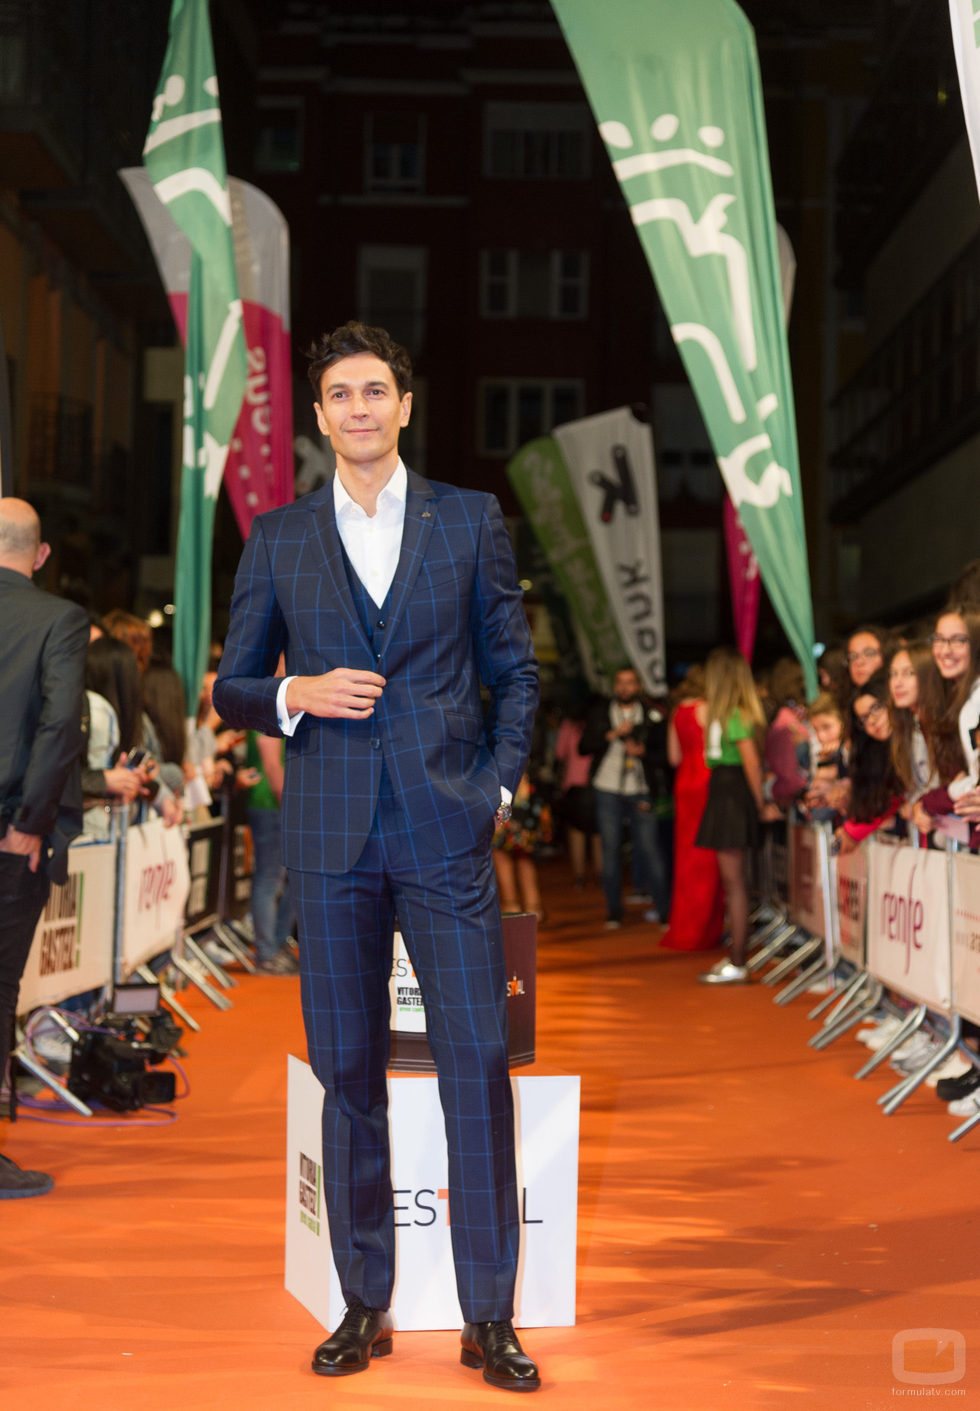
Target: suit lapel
[420, 514]
[326, 545]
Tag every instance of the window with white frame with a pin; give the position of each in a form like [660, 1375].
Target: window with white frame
[391, 291]
[534, 284]
[394, 149]
[537, 141]
[514, 411]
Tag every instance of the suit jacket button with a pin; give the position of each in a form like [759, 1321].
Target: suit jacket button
[375, 743]
[381, 622]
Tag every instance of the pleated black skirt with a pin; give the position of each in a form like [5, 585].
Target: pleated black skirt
[730, 818]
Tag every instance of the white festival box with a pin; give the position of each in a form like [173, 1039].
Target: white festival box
[547, 1123]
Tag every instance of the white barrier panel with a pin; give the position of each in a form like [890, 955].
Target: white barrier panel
[72, 947]
[966, 936]
[908, 923]
[807, 903]
[156, 886]
[852, 904]
[547, 1112]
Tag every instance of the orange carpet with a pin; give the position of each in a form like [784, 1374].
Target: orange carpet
[753, 1233]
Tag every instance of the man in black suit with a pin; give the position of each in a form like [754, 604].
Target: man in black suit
[42, 667]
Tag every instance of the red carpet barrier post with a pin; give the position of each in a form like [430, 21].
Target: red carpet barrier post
[772, 925]
[810, 910]
[205, 844]
[235, 885]
[856, 992]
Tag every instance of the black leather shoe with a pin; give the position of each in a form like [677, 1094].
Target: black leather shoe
[494, 1347]
[18, 1184]
[363, 1333]
[949, 1089]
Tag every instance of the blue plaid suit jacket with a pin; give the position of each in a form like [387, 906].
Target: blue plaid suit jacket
[455, 618]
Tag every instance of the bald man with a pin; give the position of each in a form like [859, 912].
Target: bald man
[42, 667]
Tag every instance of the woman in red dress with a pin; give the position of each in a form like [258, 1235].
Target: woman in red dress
[697, 913]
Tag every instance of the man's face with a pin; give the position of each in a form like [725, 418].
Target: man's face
[863, 657]
[626, 686]
[360, 409]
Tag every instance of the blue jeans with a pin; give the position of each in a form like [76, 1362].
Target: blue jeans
[612, 812]
[272, 910]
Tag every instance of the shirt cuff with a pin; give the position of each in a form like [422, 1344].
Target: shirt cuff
[287, 722]
[505, 795]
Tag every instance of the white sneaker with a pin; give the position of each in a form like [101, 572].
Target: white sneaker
[964, 1106]
[725, 973]
[219, 953]
[915, 1044]
[882, 1033]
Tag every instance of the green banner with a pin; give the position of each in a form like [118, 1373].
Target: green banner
[184, 156]
[543, 485]
[675, 91]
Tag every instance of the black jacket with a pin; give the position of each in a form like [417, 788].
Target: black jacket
[42, 665]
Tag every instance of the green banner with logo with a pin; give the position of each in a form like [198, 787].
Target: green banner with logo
[543, 486]
[184, 155]
[675, 91]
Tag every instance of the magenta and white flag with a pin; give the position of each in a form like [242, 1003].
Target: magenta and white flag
[259, 469]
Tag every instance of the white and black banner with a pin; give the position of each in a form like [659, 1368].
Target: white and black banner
[611, 465]
[965, 19]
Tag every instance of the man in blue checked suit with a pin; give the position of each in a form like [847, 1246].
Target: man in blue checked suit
[393, 598]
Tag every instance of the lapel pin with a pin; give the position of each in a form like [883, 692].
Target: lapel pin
[426, 514]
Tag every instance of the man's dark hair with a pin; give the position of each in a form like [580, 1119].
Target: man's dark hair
[351, 339]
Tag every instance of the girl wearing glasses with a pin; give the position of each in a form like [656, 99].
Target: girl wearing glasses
[876, 792]
[951, 714]
[911, 677]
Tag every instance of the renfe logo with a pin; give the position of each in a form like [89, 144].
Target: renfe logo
[901, 919]
[155, 884]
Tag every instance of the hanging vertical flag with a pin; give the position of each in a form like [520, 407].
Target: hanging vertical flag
[675, 90]
[259, 471]
[965, 19]
[610, 461]
[185, 158]
[543, 486]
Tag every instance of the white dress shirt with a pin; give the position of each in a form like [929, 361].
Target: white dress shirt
[373, 544]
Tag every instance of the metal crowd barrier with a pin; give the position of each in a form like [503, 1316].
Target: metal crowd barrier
[892, 925]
